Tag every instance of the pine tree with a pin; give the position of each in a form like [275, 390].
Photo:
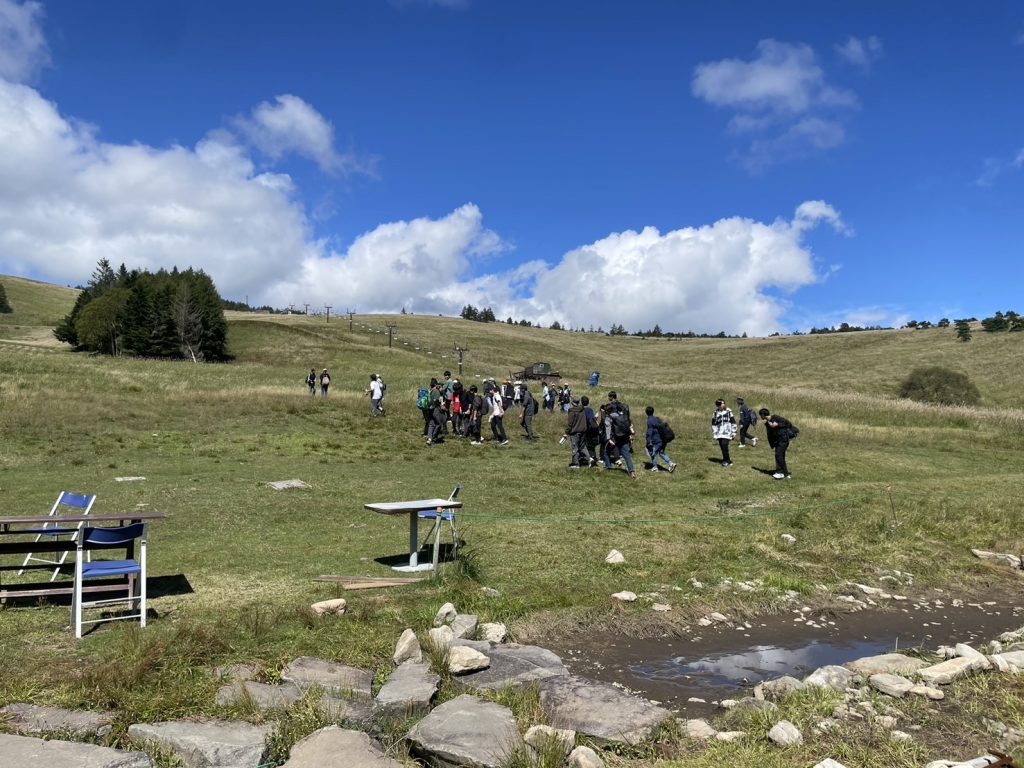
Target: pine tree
[963, 330]
[5, 307]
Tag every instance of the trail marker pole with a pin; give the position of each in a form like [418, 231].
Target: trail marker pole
[328, 308]
[390, 328]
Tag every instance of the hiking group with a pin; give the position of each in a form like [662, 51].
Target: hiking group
[324, 380]
[597, 438]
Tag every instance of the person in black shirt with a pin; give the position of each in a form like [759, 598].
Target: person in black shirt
[779, 432]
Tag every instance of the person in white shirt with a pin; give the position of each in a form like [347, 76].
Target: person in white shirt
[375, 395]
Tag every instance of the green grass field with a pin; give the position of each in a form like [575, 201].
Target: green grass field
[208, 439]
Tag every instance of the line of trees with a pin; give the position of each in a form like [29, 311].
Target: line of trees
[5, 306]
[176, 314]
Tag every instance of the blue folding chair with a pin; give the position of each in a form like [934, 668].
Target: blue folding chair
[93, 539]
[70, 503]
[439, 517]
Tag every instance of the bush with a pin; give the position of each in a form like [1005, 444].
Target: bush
[939, 385]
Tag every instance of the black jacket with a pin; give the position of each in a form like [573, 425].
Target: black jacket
[780, 433]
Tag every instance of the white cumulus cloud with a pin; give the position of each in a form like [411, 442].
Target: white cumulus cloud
[23, 49]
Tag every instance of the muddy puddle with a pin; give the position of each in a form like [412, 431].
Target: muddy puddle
[724, 661]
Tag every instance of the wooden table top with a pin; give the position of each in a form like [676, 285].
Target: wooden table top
[59, 520]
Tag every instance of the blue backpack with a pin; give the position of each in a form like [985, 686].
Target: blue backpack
[423, 400]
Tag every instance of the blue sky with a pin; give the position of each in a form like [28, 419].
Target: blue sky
[732, 168]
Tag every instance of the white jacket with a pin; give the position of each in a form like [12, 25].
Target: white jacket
[723, 425]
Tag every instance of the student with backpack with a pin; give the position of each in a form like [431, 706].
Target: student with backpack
[618, 432]
[723, 429]
[476, 416]
[779, 432]
[576, 430]
[659, 435]
[423, 402]
[325, 383]
[593, 430]
[311, 382]
[497, 416]
[530, 408]
[748, 420]
[375, 394]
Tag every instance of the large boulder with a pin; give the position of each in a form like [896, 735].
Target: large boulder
[946, 672]
[332, 677]
[600, 710]
[467, 731]
[891, 685]
[335, 747]
[887, 663]
[831, 676]
[409, 690]
[34, 719]
[213, 744]
[28, 752]
[261, 695]
[511, 665]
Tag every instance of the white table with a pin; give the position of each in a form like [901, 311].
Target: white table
[413, 508]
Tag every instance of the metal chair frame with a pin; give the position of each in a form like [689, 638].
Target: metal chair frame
[82, 504]
[93, 539]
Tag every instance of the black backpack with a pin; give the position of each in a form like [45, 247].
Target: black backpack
[666, 433]
[620, 421]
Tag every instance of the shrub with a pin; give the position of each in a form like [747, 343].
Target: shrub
[939, 385]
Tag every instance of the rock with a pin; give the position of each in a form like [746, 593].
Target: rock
[262, 696]
[464, 625]
[1013, 661]
[600, 710]
[890, 685]
[978, 660]
[33, 719]
[408, 648]
[753, 705]
[868, 590]
[730, 736]
[788, 538]
[334, 747]
[462, 659]
[700, 730]
[1006, 559]
[696, 584]
[235, 672]
[900, 736]
[928, 692]
[785, 734]
[704, 621]
[334, 607]
[718, 617]
[886, 663]
[511, 665]
[288, 485]
[728, 703]
[335, 678]
[441, 637]
[782, 686]
[661, 607]
[947, 671]
[615, 558]
[495, 632]
[490, 592]
[28, 752]
[539, 736]
[828, 762]
[467, 731]
[886, 721]
[625, 596]
[445, 614]
[212, 744]
[352, 712]
[831, 676]
[584, 757]
[408, 691]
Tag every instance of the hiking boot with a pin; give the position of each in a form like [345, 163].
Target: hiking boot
[503, 442]
[477, 442]
[726, 463]
[672, 467]
[574, 466]
[654, 469]
[742, 445]
[780, 476]
[753, 442]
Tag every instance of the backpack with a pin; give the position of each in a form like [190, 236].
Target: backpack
[423, 400]
[536, 406]
[794, 432]
[753, 417]
[383, 387]
[620, 422]
[666, 433]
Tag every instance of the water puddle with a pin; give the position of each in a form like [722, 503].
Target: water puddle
[723, 661]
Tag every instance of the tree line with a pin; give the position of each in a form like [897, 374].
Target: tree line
[176, 314]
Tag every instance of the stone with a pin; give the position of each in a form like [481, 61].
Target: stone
[262, 696]
[211, 744]
[788, 538]
[927, 692]
[947, 671]
[407, 648]
[445, 614]
[828, 762]
[753, 705]
[334, 747]
[237, 672]
[332, 677]
[464, 625]
[785, 734]
[699, 729]
[28, 752]
[353, 712]
[33, 719]
[462, 660]
[661, 607]
[441, 637]
[868, 590]
[730, 736]
[334, 607]
[886, 663]
[1006, 559]
[495, 632]
[490, 592]
[890, 685]
[1013, 659]
[290, 485]
[900, 736]
[781, 686]
[615, 558]
[539, 736]
[886, 721]
[408, 691]
[831, 676]
[978, 660]
[718, 617]
[511, 665]
[600, 710]
[704, 621]
[467, 731]
[625, 596]
[584, 757]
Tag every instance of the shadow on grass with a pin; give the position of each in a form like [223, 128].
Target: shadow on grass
[156, 586]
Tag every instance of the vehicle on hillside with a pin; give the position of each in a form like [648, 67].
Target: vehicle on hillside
[536, 371]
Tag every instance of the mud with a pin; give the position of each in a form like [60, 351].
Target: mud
[725, 660]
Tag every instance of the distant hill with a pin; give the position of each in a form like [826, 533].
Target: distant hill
[36, 303]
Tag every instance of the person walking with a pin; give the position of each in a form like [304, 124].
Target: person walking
[476, 416]
[529, 410]
[748, 420]
[311, 382]
[383, 391]
[497, 417]
[779, 432]
[658, 437]
[593, 430]
[438, 416]
[619, 432]
[375, 394]
[576, 430]
[723, 429]
[325, 383]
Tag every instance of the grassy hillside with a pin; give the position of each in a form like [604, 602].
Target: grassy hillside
[35, 304]
[209, 438]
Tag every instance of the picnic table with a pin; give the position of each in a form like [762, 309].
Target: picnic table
[413, 508]
[17, 537]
